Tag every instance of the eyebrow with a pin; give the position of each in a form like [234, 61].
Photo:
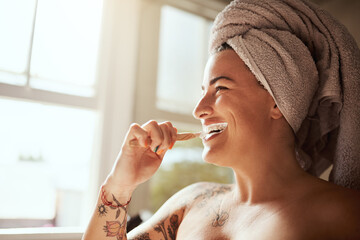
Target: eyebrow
[214, 80]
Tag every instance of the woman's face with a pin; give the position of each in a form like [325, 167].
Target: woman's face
[232, 98]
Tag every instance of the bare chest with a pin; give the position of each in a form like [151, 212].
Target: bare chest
[221, 225]
[211, 222]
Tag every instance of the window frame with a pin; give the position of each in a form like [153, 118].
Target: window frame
[25, 92]
[60, 233]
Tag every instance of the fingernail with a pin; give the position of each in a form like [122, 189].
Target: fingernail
[156, 149]
[172, 145]
[160, 152]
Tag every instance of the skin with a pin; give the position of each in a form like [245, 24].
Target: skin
[272, 197]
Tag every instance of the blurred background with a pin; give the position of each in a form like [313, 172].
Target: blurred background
[75, 73]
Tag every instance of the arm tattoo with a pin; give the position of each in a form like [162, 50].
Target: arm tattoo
[114, 228]
[161, 228]
[144, 236]
[171, 228]
[102, 210]
[118, 207]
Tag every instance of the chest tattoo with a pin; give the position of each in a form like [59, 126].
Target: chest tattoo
[220, 219]
[208, 198]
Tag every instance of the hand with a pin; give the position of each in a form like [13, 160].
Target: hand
[136, 163]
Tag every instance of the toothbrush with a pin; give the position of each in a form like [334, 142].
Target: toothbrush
[180, 137]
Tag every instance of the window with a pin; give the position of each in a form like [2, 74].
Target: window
[169, 92]
[182, 58]
[46, 163]
[48, 46]
[49, 118]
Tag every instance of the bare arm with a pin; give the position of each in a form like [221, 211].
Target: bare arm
[111, 221]
[163, 225]
[135, 164]
[108, 221]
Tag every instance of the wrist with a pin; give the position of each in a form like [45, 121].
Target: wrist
[115, 202]
[121, 192]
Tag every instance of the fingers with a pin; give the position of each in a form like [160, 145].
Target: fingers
[162, 135]
[169, 136]
[157, 136]
[140, 134]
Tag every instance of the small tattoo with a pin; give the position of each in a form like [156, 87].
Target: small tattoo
[220, 219]
[102, 210]
[118, 207]
[209, 193]
[213, 192]
[114, 229]
[144, 236]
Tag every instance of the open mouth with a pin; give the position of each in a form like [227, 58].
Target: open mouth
[213, 129]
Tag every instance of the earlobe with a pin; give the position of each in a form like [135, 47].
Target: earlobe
[275, 112]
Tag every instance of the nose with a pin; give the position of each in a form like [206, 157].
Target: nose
[203, 108]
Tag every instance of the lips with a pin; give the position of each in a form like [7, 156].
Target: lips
[213, 129]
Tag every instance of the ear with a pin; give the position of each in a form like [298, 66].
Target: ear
[275, 112]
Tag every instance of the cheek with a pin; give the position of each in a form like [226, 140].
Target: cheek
[246, 116]
[234, 109]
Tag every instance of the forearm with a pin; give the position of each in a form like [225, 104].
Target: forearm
[110, 216]
[134, 165]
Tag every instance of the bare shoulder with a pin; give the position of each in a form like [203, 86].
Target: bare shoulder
[198, 192]
[204, 191]
[166, 221]
[341, 200]
[340, 208]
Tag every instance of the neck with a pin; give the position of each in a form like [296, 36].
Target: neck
[267, 175]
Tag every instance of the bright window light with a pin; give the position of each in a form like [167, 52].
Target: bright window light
[16, 22]
[44, 162]
[63, 49]
[65, 46]
[182, 58]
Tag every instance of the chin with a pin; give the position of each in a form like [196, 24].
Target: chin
[214, 157]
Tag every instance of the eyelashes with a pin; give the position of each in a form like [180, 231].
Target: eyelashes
[216, 90]
[220, 88]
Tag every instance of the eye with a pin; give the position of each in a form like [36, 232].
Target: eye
[220, 88]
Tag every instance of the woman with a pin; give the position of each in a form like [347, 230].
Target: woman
[264, 129]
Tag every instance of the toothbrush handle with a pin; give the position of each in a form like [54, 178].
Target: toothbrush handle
[180, 137]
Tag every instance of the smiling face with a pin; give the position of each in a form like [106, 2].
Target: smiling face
[232, 97]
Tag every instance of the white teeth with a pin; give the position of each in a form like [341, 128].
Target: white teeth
[212, 129]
